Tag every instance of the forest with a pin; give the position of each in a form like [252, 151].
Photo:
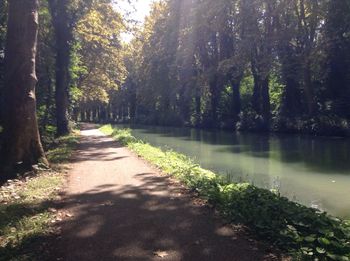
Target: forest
[245, 65]
[241, 65]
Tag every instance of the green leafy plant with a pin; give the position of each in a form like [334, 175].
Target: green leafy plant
[306, 233]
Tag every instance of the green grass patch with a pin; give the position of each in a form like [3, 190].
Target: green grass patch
[26, 212]
[305, 233]
[25, 215]
[62, 148]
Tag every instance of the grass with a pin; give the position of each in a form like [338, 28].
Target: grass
[26, 210]
[62, 149]
[303, 232]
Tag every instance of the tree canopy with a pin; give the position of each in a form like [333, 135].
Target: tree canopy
[261, 65]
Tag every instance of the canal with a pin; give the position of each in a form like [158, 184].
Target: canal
[314, 171]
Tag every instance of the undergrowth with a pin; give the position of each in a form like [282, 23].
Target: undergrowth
[305, 233]
[26, 212]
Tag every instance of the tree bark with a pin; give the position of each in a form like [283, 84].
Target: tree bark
[21, 140]
[198, 102]
[261, 97]
[236, 98]
[214, 101]
[309, 90]
[63, 35]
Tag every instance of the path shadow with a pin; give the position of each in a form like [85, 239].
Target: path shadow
[94, 149]
[114, 222]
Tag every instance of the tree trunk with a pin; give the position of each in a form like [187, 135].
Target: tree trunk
[88, 115]
[214, 101]
[265, 101]
[309, 90]
[82, 115]
[291, 99]
[198, 108]
[21, 140]
[63, 35]
[48, 100]
[256, 90]
[236, 98]
[261, 97]
[3, 20]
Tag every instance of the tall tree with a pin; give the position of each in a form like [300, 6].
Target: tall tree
[288, 56]
[338, 55]
[63, 27]
[259, 22]
[3, 21]
[21, 140]
[309, 20]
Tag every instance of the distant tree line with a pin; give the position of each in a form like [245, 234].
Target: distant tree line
[261, 65]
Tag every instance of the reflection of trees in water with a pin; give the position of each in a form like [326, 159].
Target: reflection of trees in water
[260, 149]
[317, 154]
[324, 155]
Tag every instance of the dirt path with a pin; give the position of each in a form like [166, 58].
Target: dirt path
[124, 210]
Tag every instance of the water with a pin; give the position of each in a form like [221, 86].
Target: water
[314, 171]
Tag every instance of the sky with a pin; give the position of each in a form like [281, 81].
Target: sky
[136, 10]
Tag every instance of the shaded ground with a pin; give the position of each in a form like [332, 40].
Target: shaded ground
[123, 209]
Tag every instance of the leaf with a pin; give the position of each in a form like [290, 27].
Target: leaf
[310, 239]
[337, 257]
[320, 250]
[324, 241]
[160, 254]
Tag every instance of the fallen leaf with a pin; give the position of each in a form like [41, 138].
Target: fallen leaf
[160, 254]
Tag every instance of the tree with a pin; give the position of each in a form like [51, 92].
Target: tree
[288, 56]
[63, 27]
[98, 64]
[3, 21]
[21, 140]
[338, 56]
[246, 64]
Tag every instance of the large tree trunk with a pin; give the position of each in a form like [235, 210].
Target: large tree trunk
[63, 33]
[338, 56]
[261, 98]
[214, 101]
[3, 21]
[21, 140]
[198, 102]
[309, 90]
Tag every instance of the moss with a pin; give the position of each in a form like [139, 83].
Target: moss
[304, 232]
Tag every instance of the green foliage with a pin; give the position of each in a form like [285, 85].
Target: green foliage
[188, 54]
[304, 232]
[276, 93]
[97, 63]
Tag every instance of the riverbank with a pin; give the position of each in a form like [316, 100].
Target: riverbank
[304, 232]
[27, 211]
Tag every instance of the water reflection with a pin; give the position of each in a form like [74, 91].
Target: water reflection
[310, 170]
